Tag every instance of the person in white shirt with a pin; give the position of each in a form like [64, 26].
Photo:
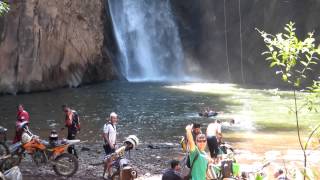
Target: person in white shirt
[110, 134]
[110, 137]
[213, 136]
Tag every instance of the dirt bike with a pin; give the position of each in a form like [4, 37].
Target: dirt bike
[121, 169]
[44, 152]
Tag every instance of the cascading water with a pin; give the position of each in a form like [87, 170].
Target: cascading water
[148, 39]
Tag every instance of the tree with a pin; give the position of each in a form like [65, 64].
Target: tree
[293, 59]
[4, 7]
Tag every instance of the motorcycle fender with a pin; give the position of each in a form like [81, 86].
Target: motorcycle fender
[31, 146]
[59, 150]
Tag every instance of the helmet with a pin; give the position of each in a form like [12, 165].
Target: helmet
[25, 138]
[132, 139]
[53, 135]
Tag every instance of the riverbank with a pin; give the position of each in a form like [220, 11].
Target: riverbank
[151, 159]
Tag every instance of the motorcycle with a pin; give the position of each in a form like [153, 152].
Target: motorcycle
[120, 165]
[44, 152]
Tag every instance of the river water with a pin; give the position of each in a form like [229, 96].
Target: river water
[158, 112]
[155, 112]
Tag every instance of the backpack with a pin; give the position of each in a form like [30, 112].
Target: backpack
[76, 120]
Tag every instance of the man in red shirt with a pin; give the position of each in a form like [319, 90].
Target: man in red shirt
[22, 115]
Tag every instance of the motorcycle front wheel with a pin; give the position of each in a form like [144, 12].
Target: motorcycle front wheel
[65, 165]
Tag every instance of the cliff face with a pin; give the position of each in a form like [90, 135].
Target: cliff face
[46, 44]
[202, 29]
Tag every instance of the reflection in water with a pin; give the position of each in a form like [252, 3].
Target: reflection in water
[156, 112]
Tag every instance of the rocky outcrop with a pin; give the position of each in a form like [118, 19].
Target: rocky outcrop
[202, 28]
[46, 44]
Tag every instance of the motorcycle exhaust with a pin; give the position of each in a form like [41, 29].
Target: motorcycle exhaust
[134, 174]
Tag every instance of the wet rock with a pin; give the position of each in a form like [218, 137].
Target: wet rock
[85, 149]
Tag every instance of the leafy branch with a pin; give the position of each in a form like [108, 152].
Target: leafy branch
[4, 7]
[292, 59]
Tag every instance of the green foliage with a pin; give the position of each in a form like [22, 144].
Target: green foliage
[292, 57]
[313, 100]
[4, 7]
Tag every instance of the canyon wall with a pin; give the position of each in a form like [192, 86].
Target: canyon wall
[47, 44]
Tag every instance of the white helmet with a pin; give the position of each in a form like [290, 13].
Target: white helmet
[25, 138]
[132, 139]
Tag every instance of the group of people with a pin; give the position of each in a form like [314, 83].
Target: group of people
[208, 112]
[197, 158]
[195, 142]
[71, 122]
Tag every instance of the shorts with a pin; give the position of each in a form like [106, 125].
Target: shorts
[213, 146]
[107, 149]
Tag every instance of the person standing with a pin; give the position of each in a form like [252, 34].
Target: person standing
[72, 122]
[110, 134]
[214, 136]
[198, 157]
[196, 130]
[22, 115]
[174, 172]
[110, 137]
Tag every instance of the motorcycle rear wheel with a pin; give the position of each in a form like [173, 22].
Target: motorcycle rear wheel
[65, 165]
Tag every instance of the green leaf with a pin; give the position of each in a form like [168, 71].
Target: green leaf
[284, 77]
[287, 29]
[304, 63]
[273, 64]
[269, 58]
[297, 83]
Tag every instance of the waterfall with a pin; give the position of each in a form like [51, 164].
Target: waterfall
[148, 40]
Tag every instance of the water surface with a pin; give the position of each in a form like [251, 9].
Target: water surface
[158, 112]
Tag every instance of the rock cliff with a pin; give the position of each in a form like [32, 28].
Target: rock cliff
[46, 44]
[202, 28]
